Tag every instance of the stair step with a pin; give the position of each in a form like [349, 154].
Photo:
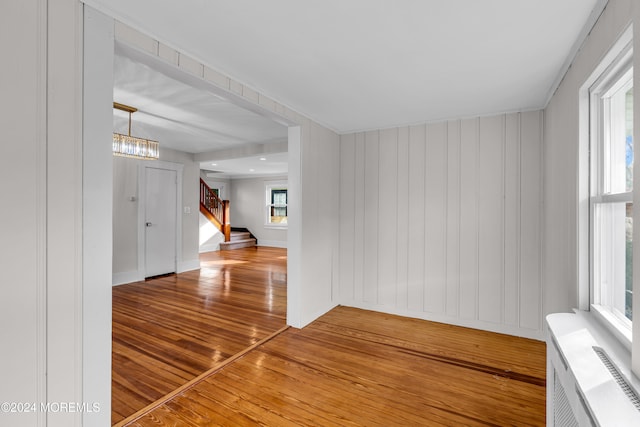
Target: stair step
[237, 244]
[240, 235]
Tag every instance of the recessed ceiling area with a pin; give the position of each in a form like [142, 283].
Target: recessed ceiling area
[246, 167]
[373, 64]
[189, 119]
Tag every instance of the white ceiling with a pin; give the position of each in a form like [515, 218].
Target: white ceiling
[354, 64]
[246, 167]
[181, 116]
[190, 119]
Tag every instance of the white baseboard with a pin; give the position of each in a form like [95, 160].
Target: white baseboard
[273, 243]
[451, 320]
[193, 264]
[137, 276]
[308, 318]
[210, 248]
[126, 277]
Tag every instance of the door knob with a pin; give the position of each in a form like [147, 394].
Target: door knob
[148, 224]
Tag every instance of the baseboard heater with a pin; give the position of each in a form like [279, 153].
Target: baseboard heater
[589, 382]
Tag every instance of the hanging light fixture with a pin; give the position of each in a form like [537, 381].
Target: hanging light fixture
[131, 146]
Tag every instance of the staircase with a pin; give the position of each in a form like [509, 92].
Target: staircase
[216, 210]
[239, 239]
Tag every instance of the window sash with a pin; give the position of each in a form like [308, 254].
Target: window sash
[611, 197]
[612, 257]
[276, 204]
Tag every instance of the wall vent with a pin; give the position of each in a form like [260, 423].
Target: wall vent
[622, 382]
[562, 413]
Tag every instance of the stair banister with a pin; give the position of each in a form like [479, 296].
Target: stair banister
[215, 209]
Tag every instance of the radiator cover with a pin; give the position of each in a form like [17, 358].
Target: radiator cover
[581, 389]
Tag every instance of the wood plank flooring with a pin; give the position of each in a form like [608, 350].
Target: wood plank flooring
[359, 368]
[168, 330]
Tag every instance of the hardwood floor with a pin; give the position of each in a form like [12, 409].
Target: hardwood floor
[168, 330]
[362, 368]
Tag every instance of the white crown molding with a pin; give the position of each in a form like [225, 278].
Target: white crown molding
[577, 45]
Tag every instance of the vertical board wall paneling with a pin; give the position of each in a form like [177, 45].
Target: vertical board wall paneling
[371, 216]
[402, 241]
[453, 218]
[23, 183]
[512, 220]
[531, 197]
[388, 216]
[435, 218]
[491, 219]
[469, 191]
[347, 217]
[442, 221]
[416, 210]
[359, 228]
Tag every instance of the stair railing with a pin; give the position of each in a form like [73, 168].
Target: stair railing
[215, 209]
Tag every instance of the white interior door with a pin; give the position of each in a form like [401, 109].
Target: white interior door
[160, 221]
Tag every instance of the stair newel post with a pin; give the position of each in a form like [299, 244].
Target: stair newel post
[226, 220]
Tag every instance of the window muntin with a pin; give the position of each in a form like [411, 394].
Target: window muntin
[612, 190]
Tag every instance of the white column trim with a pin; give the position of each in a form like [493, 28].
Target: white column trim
[41, 210]
[97, 194]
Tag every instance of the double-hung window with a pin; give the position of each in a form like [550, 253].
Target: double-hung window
[277, 197]
[611, 192]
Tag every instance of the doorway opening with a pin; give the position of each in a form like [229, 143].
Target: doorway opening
[204, 282]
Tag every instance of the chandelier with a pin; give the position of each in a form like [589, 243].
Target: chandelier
[131, 146]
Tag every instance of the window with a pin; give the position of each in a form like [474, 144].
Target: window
[611, 191]
[276, 193]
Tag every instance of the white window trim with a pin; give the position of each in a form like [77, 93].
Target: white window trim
[604, 84]
[269, 186]
[585, 289]
[614, 324]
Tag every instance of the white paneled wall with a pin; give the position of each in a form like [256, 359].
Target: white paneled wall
[442, 221]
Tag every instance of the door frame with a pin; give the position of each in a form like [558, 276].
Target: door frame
[142, 210]
[93, 332]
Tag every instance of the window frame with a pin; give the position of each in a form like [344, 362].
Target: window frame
[270, 187]
[610, 79]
